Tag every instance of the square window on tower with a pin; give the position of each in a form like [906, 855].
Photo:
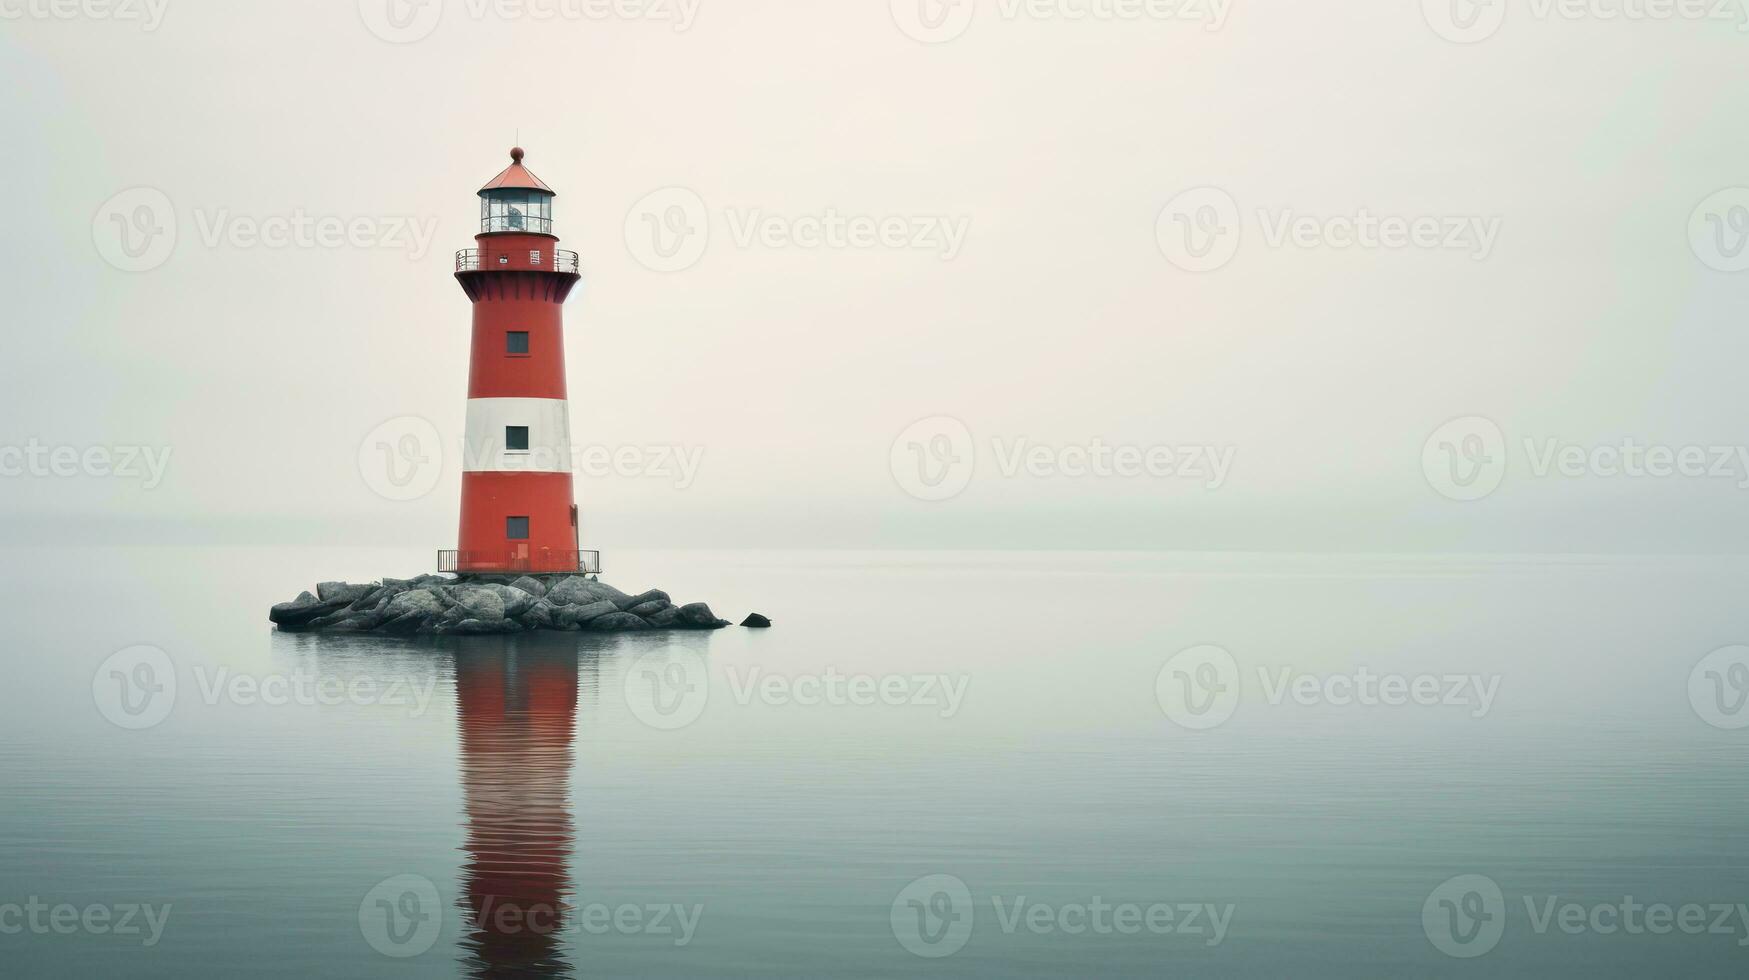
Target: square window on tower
[516, 438]
[516, 528]
[516, 342]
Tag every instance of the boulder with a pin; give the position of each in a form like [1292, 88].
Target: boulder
[342, 592]
[376, 598]
[757, 622]
[530, 585]
[698, 615]
[618, 622]
[516, 601]
[601, 590]
[571, 617]
[411, 611]
[481, 627]
[630, 602]
[540, 616]
[570, 592]
[303, 610]
[489, 604]
[476, 602]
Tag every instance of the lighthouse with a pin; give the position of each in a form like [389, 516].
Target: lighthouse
[518, 508]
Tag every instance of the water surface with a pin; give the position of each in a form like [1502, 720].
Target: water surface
[673, 811]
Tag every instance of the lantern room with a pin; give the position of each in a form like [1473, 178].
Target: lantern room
[516, 202]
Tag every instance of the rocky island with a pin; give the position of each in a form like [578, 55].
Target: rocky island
[475, 605]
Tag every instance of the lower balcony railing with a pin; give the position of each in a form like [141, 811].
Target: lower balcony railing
[477, 260]
[520, 560]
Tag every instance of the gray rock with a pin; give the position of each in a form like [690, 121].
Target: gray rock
[301, 611]
[756, 621]
[601, 590]
[340, 591]
[481, 627]
[410, 610]
[629, 602]
[376, 598]
[618, 622]
[571, 617]
[487, 604]
[541, 615]
[570, 592]
[516, 601]
[302, 602]
[473, 602]
[698, 615]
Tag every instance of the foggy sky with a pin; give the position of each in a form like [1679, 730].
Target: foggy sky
[788, 372]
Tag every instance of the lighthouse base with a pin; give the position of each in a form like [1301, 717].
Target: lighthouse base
[487, 603]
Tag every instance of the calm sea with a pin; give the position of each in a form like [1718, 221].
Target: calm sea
[959, 764]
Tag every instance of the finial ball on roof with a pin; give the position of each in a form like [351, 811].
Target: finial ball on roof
[516, 154]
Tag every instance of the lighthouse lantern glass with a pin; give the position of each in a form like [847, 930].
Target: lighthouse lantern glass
[516, 209]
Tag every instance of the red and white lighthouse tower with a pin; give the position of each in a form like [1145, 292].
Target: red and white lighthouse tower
[518, 509]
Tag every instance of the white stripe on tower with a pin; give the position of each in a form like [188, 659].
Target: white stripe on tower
[548, 421]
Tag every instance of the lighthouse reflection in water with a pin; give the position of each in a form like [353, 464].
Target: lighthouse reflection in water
[517, 714]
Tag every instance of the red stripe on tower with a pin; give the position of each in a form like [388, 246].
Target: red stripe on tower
[518, 509]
